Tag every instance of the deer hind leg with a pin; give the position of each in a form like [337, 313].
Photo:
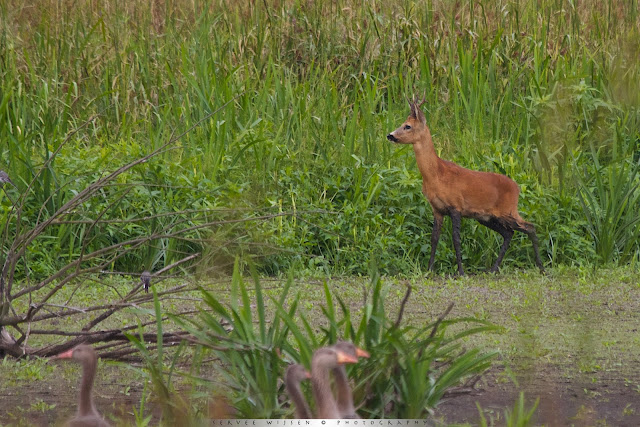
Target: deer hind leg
[435, 236]
[530, 231]
[455, 225]
[506, 233]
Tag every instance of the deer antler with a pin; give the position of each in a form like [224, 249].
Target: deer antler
[415, 105]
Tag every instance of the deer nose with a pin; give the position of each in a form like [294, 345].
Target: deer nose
[392, 138]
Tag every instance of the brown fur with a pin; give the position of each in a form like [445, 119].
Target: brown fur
[454, 191]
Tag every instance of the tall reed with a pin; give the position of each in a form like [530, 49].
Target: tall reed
[515, 87]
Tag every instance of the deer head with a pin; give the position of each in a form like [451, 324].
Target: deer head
[411, 130]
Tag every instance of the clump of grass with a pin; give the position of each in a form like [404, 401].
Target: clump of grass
[411, 367]
[609, 198]
[249, 357]
[518, 416]
[175, 409]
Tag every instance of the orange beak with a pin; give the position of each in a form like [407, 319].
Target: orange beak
[307, 374]
[362, 353]
[64, 355]
[346, 358]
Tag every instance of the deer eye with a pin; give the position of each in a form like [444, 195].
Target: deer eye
[407, 127]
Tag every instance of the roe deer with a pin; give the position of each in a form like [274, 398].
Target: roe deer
[490, 198]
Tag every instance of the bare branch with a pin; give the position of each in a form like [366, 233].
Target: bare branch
[163, 215]
[105, 315]
[136, 242]
[440, 319]
[402, 305]
[21, 242]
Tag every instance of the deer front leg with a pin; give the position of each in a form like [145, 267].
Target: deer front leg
[455, 225]
[435, 237]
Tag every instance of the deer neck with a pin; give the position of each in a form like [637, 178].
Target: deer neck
[426, 157]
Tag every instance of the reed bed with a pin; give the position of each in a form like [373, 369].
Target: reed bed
[546, 92]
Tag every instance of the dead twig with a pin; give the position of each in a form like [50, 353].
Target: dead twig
[407, 294]
[440, 319]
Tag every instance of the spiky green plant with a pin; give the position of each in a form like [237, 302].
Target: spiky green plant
[610, 198]
[161, 375]
[247, 344]
[518, 416]
[412, 367]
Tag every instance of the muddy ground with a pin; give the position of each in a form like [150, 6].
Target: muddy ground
[571, 340]
[613, 401]
[562, 401]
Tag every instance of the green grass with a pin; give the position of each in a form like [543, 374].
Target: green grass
[546, 92]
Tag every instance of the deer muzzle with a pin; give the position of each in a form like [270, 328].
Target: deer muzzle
[392, 138]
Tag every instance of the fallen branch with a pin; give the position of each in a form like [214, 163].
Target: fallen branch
[407, 294]
[440, 319]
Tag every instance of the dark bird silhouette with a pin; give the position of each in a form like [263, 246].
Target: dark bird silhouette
[145, 278]
[4, 179]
